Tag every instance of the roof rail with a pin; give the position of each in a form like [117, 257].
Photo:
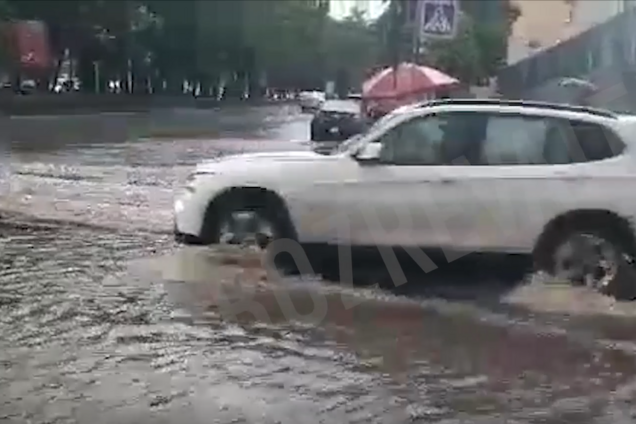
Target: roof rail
[528, 103]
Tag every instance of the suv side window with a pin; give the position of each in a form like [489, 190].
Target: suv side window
[529, 140]
[476, 138]
[592, 142]
[414, 142]
[440, 139]
[521, 140]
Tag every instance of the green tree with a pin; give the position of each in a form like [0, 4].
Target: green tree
[173, 41]
[351, 49]
[475, 54]
[469, 56]
[395, 32]
[77, 26]
[479, 49]
[292, 43]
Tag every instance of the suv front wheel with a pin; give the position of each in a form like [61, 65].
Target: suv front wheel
[246, 220]
[239, 223]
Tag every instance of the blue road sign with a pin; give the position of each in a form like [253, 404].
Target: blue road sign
[438, 18]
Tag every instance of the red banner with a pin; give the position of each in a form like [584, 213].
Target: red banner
[31, 43]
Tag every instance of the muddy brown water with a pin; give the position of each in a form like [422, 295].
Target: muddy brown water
[100, 321]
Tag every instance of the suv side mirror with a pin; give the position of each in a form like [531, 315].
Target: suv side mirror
[369, 152]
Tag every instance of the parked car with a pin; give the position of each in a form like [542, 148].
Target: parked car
[311, 101]
[478, 175]
[28, 86]
[337, 120]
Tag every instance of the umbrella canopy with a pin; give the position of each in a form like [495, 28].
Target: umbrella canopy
[406, 79]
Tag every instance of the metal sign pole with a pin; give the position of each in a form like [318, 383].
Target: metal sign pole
[416, 39]
[436, 20]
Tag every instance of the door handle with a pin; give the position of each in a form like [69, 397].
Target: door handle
[439, 181]
[446, 181]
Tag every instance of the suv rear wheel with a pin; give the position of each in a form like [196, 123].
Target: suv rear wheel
[596, 258]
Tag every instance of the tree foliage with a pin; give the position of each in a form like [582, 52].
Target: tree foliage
[243, 45]
[475, 54]
[238, 44]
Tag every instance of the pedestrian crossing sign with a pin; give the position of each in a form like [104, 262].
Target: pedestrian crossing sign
[438, 18]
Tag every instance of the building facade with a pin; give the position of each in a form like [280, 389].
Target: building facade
[541, 25]
[545, 23]
[599, 45]
[589, 13]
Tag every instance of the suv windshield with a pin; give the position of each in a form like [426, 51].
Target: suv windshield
[349, 145]
[354, 142]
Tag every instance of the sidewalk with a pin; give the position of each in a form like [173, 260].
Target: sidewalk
[242, 121]
[76, 103]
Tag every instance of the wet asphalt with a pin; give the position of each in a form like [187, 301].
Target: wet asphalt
[97, 326]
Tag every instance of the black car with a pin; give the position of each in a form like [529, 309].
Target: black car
[337, 120]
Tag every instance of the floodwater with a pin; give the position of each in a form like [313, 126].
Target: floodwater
[104, 319]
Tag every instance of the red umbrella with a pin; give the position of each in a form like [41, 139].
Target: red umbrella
[407, 79]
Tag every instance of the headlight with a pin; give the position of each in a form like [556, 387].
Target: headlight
[194, 175]
[192, 178]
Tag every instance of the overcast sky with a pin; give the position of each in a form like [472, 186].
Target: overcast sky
[341, 8]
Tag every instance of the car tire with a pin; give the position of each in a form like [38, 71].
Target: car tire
[226, 211]
[594, 257]
[267, 214]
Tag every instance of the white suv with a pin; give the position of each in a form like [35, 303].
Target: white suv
[486, 175]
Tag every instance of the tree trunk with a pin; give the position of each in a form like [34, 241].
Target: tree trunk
[86, 73]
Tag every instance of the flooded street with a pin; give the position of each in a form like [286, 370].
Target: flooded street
[95, 330]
